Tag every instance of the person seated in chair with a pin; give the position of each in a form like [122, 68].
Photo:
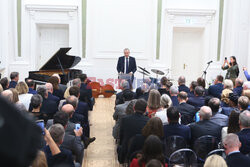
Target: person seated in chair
[14, 77]
[49, 87]
[216, 89]
[198, 100]
[238, 86]
[31, 85]
[244, 134]
[182, 86]
[173, 94]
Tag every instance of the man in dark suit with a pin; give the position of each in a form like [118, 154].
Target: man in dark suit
[31, 85]
[216, 89]
[198, 100]
[182, 86]
[14, 76]
[130, 126]
[217, 118]
[174, 128]
[49, 107]
[144, 90]
[234, 157]
[86, 91]
[205, 126]
[187, 111]
[124, 85]
[49, 87]
[244, 134]
[238, 86]
[126, 64]
[173, 95]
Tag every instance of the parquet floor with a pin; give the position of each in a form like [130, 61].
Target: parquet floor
[102, 152]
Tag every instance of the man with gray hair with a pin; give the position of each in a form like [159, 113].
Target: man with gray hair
[198, 100]
[205, 126]
[49, 107]
[246, 85]
[8, 95]
[234, 158]
[238, 86]
[182, 85]
[243, 103]
[124, 85]
[173, 94]
[244, 134]
[143, 92]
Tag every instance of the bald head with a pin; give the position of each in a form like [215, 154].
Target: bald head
[8, 95]
[69, 109]
[205, 113]
[49, 87]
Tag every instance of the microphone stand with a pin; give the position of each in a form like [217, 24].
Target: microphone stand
[204, 75]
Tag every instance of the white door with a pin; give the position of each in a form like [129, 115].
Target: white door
[51, 38]
[187, 53]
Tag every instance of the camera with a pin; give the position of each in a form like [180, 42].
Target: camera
[225, 58]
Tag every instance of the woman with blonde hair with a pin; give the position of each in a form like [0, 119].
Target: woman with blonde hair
[165, 103]
[40, 160]
[16, 101]
[228, 88]
[23, 95]
[215, 161]
[153, 102]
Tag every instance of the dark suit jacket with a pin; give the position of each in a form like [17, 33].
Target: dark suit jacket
[164, 91]
[12, 84]
[215, 90]
[59, 93]
[220, 119]
[237, 160]
[184, 88]
[244, 136]
[187, 113]
[86, 95]
[196, 101]
[174, 100]
[130, 126]
[177, 129]
[49, 107]
[227, 110]
[32, 91]
[238, 90]
[205, 127]
[54, 98]
[132, 65]
[144, 96]
[74, 144]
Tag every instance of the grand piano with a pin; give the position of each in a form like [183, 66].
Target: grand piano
[59, 63]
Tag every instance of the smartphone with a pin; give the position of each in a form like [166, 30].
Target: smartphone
[40, 123]
[225, 58]
[77, 126]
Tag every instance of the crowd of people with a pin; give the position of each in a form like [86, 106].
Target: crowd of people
[154, 119]
[63, 111]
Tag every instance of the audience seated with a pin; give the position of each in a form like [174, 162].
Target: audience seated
[174, 128]
[164, 89]
[182, 86]
[55, 154]
[165, 103]
[49, 107]
[215, 161]
[228, 88]
[49, 87]
[198, 99]
[217, 118]
[201, 82]
[152, 149]
[120, 112]
[234, 157]
[153, 102]
[31, 85]
[143, 92]
[124, 86]
[192, 88]
[86, 92]
[36, 104]
[173, 94]
[244, 134]
[23, 95]
[187, 111]
[14, 76]
[238, 86]
[216, 89]
[205, 126]
[233, 125]
[5, 83]
[243, 103]
[70, 142]
[20, 106]
[61, 86]
[75, 82]
[56, 90]
[233, 105]
[153, 127]
[130, 126]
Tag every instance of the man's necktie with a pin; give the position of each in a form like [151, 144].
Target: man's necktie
[126, 65]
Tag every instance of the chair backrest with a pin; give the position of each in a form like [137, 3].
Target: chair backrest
[174, 143]
[203, 145]
[220, 152]
[183, 157]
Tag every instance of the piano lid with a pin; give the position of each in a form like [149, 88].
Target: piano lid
[60, 56]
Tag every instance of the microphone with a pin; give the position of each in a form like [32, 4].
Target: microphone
[210, 62]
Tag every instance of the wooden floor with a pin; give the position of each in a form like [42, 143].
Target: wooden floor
[102, 152]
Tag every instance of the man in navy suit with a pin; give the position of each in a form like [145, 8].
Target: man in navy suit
[31, 85]
[14, 76]
[182, 86]
[49, 87]
[126, 64]
[174, 128]
[173, 95]
[198, 100]
[238, 86]
[234, 157]
[244, 134]
[216, 89]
